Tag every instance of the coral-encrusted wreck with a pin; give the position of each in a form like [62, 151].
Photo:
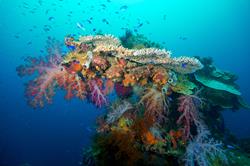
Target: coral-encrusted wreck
[163, 107]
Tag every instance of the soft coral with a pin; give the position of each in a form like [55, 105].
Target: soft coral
[189, 109]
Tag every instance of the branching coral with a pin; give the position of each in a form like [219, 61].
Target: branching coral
[202, 150]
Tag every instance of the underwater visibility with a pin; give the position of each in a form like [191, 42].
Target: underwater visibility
[96, 83]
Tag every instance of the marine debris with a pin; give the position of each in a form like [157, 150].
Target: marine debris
[165, 107]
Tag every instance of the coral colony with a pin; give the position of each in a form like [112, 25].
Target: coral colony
[162, 112]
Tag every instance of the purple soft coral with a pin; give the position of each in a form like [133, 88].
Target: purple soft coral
[202, 150]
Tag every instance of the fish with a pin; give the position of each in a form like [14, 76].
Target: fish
[80, 26]
[94, 29]
[105, 21]
[29, 43]
[140, 25]
[51, 18]
[123, 8]
[89, 21]
[103, 5]
[231, 147]
[17, 36]
[183, 38]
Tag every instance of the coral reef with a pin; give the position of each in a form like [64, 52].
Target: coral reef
[164, 109]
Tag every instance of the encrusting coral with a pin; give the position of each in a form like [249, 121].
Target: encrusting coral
[158, 115]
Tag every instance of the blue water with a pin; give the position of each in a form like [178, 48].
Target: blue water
[56, 134]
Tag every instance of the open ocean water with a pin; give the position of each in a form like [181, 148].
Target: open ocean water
[56, 134]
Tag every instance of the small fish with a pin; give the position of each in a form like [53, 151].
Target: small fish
[29, 43]
[80, 26]
[116, 12]
[89, 21]
[230, 147]
[105, 21]
[94, 29]
[103, 5]
[184, 65]
[51, 18]
[140, 25]
[123, 8]
[17, 36]
[183, 38]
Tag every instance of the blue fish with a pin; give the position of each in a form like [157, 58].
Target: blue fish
[184, 65]
[72, 48]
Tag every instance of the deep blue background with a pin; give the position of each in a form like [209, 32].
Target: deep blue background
[56, 134]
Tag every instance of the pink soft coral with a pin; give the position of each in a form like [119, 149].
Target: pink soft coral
[51, 73]
[97, 93]
[189, 109]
